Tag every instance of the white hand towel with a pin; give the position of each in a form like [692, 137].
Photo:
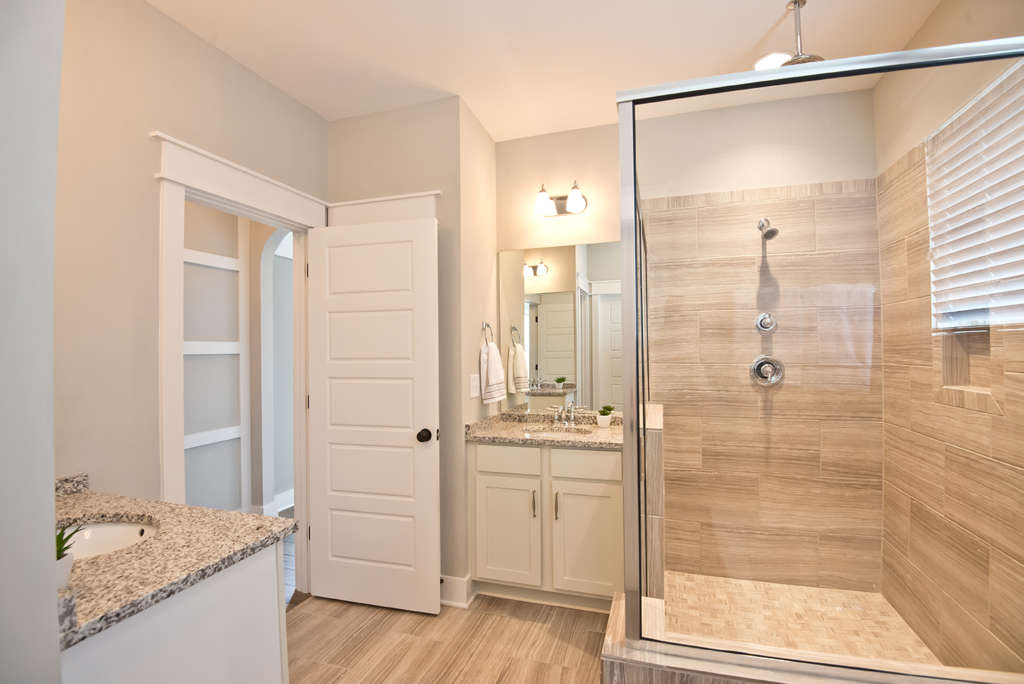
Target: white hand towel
[492, 374]
[510, 365]
[521, 371]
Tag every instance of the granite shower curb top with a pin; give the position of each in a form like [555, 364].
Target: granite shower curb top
[190, 544]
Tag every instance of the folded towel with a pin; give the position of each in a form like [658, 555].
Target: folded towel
[492, 374]
[521, 371]
[510, 369]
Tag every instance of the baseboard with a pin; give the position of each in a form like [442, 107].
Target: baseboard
[552, 598]
[457, 591]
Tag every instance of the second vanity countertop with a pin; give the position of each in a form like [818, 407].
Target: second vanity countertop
[190, 544]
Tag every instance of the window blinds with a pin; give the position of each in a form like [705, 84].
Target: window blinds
[975, 172]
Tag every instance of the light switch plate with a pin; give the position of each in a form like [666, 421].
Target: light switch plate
[474, 386]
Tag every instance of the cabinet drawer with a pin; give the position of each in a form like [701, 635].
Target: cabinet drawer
[584, 464]
[493, 458]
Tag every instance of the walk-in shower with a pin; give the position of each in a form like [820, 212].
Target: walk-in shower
[824, 450]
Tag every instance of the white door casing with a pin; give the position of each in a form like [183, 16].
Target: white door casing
[373, 385]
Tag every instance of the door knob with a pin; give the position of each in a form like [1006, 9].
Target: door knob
[423, 435]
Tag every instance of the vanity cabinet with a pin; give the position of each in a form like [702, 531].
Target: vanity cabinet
[586, 554]
[508, 543]
[547, 518]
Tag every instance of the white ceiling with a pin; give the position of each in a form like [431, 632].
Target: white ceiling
[524, 67]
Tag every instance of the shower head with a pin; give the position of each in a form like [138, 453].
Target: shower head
[767, 232]
[799, 57]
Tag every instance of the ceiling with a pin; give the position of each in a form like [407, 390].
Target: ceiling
[524, 67]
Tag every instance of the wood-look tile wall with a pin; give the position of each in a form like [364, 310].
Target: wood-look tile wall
[779, 484]
[953, 550]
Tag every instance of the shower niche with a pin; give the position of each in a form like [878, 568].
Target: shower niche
[840, 478]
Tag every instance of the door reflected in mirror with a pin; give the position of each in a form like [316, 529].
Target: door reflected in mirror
[560, 325]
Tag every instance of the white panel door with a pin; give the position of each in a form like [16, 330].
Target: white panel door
[609, 351]
[508, 545]
[587, 537]
[557, 333]
[374, 502]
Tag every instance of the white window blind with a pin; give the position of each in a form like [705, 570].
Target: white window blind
[975, 169]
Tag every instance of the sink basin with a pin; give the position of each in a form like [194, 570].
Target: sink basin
[99, 538]
[558, 431]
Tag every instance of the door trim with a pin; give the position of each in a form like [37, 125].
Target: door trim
[188, 172]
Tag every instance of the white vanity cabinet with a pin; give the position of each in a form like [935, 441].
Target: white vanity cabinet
[547, 518]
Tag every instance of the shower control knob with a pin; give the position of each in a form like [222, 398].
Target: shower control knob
[766, 323]
[766, 371]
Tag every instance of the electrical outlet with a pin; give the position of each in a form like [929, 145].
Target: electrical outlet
[474, 386]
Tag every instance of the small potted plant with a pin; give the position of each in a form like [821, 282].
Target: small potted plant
[559, 381]
[604, 415]
[65, 538]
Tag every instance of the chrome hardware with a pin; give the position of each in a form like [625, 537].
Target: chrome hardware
[766, 371]
[572, 412]
[533, 502]
[766, 323]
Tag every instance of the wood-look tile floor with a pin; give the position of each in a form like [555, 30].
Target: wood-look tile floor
[834, 621]
[495, 640]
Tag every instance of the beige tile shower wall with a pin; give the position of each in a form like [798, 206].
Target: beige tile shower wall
[954, 477]
[781, 484]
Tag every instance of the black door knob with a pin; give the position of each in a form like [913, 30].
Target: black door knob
[423, 435]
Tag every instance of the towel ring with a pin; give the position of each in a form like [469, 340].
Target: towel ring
[517, 336]
[488, 329]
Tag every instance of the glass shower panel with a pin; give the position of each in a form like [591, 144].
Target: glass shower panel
[816, 484]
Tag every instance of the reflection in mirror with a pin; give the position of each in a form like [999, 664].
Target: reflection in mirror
[562, 321]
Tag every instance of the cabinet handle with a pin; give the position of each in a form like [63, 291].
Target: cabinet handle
[556, 505]
[533, 502]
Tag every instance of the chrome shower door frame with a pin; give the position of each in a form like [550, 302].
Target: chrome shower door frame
[632, 295]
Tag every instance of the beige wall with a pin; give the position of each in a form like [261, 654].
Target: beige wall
[30, 50]
[561, 275]
[909, 105]
[784, 142]
[587, 155]
[128, 70]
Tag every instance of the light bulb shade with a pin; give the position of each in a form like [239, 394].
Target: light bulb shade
[540, 205]
[772, 60]
[542, 269]
[575, 203]
[527, 270]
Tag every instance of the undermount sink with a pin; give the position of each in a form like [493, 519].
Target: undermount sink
[99, 538]
[557, 431]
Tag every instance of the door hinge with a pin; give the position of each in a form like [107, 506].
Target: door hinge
[307, 270]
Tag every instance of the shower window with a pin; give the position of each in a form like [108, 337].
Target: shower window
[820, 476]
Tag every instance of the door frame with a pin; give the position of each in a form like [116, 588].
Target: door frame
[190, 173]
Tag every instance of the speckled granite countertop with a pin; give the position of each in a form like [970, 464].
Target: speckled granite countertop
[549, 389]
[190, 544]
[538, 429]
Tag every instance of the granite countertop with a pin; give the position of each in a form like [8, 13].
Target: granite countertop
[536, 429]
[190, 544]
[549, 389]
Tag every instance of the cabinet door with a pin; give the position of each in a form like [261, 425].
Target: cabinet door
[508, 529]
[587, 538]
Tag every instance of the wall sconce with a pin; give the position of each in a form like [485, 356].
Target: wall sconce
[560, 205]
[537, 269]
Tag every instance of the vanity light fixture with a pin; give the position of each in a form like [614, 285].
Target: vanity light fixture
[773, 60]
[544, 205]
[538, 269]
[560, 205]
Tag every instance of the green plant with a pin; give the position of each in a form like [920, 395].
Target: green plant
[560, 379]
[65, 539]
[606, 410]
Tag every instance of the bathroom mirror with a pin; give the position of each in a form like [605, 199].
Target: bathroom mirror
[560, 307]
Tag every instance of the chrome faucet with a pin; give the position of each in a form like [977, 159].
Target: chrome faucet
[572, 412]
